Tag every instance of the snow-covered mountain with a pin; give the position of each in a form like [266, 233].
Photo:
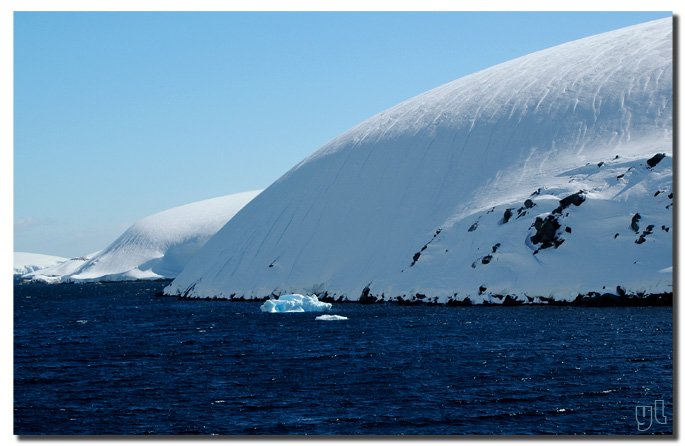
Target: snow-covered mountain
[156, 247]
[546, 176]
[56, 273]
[25, 262]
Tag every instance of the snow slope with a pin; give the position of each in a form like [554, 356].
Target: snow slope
[156, 247]
[25, 262]
[438, 197]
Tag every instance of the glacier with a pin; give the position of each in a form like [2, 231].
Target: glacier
[546, 177]
[155, 247]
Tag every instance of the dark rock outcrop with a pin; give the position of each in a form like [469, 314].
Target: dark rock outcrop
[656, 159]
[546, 232]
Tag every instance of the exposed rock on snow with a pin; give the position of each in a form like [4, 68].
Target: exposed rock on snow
[352, 218]
[156, 247]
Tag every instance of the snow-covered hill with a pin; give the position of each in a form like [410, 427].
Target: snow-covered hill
[546, 176]
[25, 262]
[156, 247]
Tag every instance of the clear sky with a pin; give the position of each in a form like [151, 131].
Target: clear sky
[120, 115]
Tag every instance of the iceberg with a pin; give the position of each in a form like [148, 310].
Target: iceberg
[547, 176]
[295, 303]
[330, 317]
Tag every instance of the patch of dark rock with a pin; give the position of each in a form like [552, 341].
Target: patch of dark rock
[620, 291]
[481, 289]
[623, 300]
[537, 192]
[574, 199]
[415, 258]
[473, 265]
[670, 195]
[634, 223]
[325, 297]
[366, 296]
[473, 227]
[490, 211]
[495, 247]
[568, 229]
[507, 215]
[487, 259]
[528, 203]
[620, 176]
[407, 302]
[646, 232]
[424, 247]
[437, 231]
[510, 301]
[520, 212]
[656, 159]
[616, 235]
[189, 289]
[459, 303]
[594, 299]
[600, 164]
[664, 228]
[546, 231]
[657, 193]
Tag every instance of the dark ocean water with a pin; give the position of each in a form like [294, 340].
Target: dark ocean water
[116, 359]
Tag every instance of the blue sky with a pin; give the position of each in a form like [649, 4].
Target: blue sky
[119, 115]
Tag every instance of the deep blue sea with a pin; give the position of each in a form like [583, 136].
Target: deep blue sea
[117, 359]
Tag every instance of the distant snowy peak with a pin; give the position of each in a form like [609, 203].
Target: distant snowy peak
[25, 262]
[386, 210]
[156, 247]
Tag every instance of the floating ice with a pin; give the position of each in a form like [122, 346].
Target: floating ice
[294, 303]
[330, 317]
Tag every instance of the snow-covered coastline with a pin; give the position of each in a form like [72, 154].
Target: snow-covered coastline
[26, 262]
[156, 247]
[544, 179]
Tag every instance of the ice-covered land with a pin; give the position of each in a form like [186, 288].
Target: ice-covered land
[156, 247]
[295, 303]
[548, 176]
[25, 262]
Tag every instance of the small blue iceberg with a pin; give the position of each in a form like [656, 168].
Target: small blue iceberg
[295, 303]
